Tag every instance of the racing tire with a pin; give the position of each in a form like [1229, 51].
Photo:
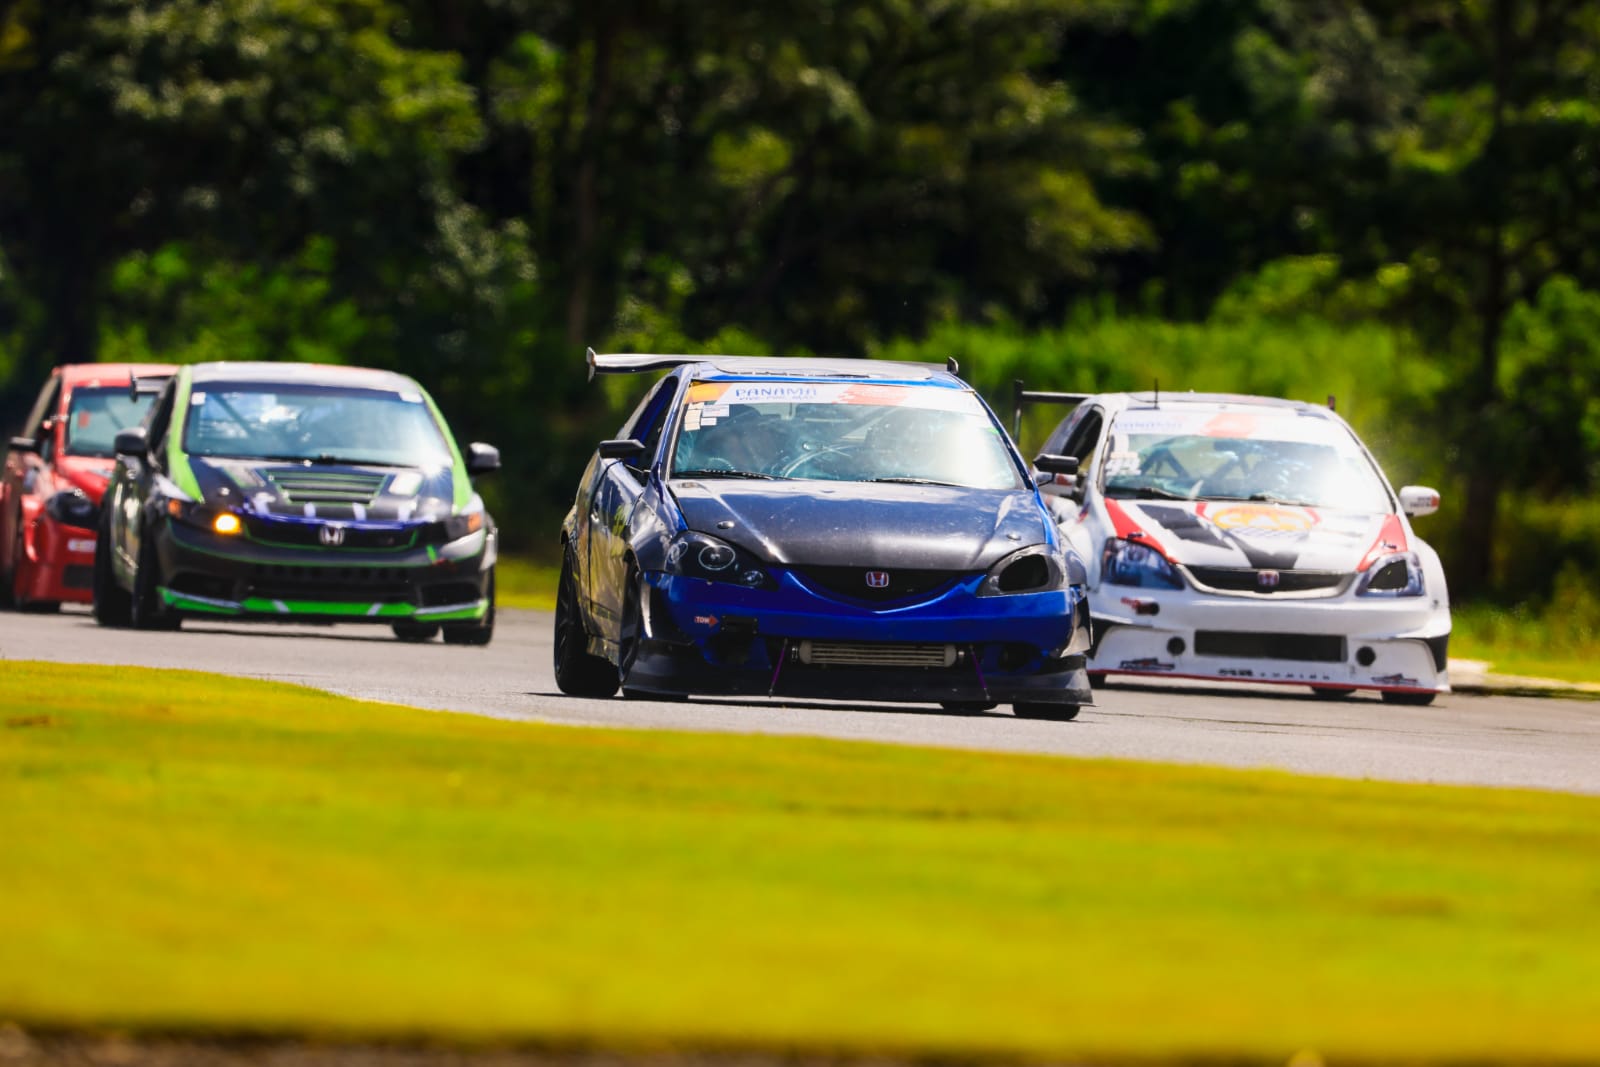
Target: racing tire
[1052, 712]
[145, 609]
[112, 604]
[8, 580]
[39, 607]
[478, 633]
[578, 673]
[1409, 700]
[415, 632]
[1332, 692]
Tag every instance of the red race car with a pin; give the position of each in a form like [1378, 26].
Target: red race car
[56, 472]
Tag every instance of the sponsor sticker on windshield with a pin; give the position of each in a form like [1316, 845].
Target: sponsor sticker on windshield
[196, 399]
[716, 398]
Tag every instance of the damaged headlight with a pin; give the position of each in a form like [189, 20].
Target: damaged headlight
[1035, 569]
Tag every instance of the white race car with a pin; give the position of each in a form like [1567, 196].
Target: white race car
[1242, 538]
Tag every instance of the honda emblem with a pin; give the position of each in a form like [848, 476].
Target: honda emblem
[332, 536]
[877, 579]
[1268, 579]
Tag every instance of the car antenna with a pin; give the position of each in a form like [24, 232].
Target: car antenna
[1158, 392]
[951, 365]
[1331, 403]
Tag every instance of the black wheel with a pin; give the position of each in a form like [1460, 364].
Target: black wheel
[1410, 700]
[473, 633]
[8, 580]
[1332, 692]
[631, 632]
[578, 673]
[39, 607]
[146, 611]
[416, 631]
[112, 605]
[970, 706]
[1053, 712]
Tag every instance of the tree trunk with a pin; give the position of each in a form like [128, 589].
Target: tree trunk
[586, 194]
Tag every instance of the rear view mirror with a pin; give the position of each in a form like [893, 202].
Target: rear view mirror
[621, 448]
[1419, 500]
[1058, 476]
[131, 442]
[24, 444]
[482, 458]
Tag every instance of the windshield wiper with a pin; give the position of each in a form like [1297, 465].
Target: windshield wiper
[914, 481]
[725, 474]
[1144, 492]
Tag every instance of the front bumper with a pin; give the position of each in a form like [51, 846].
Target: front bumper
[1342, 642]
[209, 574]
[57, 562]
[719, 639]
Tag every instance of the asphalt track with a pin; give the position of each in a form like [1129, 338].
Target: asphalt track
[1482, 739]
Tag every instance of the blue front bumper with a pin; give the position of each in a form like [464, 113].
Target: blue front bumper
[717, 638]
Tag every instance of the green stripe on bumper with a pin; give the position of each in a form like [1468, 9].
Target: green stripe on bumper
[324, 609]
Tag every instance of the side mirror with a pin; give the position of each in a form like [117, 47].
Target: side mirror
[622, 448]
[131, 442]
[482, 458]
[24, 444]
[1057, 476]
[1419, 500]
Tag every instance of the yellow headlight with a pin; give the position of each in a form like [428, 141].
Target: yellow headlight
[226, 523]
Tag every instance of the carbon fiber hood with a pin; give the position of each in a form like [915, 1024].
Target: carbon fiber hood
[349, 492]
[866, 525]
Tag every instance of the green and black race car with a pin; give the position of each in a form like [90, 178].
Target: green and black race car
[297, 492]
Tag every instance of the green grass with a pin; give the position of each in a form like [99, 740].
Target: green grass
[1533, 644]
[184, 852]
[526, 583]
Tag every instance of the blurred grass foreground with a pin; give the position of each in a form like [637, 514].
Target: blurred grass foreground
[188, 855]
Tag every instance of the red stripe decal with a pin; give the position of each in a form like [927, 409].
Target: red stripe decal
[1125, 528]
[1391, 539]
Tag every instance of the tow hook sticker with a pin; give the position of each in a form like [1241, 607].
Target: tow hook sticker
[1393, 679]
[705, 620]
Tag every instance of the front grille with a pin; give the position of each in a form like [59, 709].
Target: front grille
[286, 582]
[77, 576]
[309, 535]
[309, 485]
[857, 654]
[852, 581]
[1313, 648]
[1248, 580]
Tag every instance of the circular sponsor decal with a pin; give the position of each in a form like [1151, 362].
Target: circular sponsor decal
[1254, 518]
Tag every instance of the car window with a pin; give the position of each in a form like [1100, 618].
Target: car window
[1084, 439]
[157, 420]
[649, 419]
[96, 414]
[1274, 456]
[43, 407]
[862, 432]
[329, 424]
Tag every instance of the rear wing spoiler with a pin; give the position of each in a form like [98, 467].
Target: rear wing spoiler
[638, 362]
[1021, 397]
[633, 362]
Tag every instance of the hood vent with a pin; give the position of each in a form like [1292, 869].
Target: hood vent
[309, 485]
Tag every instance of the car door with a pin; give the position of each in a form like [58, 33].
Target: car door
[22, 469]
[618, 485]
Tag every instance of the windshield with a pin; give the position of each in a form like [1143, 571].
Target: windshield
[1210, 454]
[318, 423]
[852, 432]
[95, 414]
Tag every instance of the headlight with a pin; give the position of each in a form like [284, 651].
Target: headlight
[1036, 569]
[71, 507]
[458, 526]
[1397, 575]
[695, 555]
[1130, 563]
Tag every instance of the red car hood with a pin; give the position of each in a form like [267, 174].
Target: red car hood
[1227, 533]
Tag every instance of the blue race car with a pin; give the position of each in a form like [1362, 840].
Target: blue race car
[826, 528]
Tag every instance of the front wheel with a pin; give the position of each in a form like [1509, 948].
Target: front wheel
[473, 633]
[147, 611]
[415, 632]
[112, 605]
[1332, 692]
[1410, 700]
[967, 707]
[578, 673]
[1052, 712]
